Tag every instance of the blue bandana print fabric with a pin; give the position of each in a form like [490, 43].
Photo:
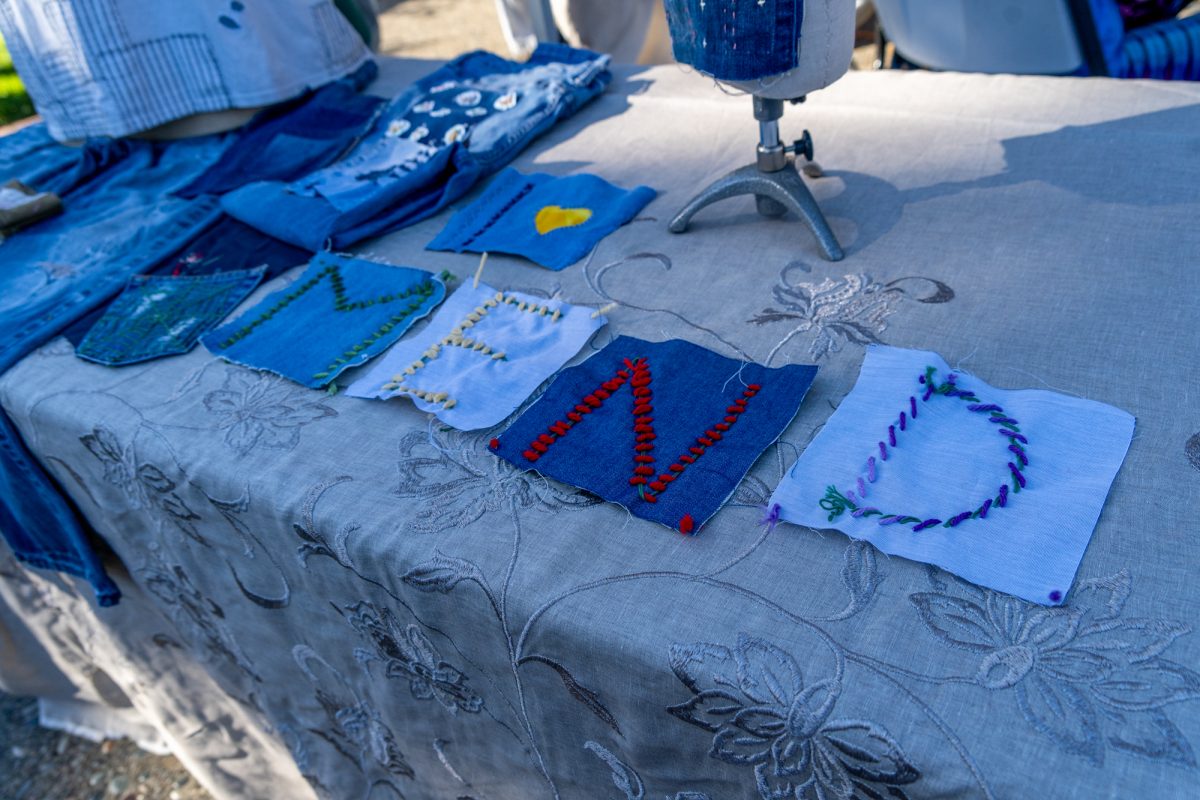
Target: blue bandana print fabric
[338, 314]
[666, 429]
[1000, 487]
[481, 356]
[736, 40]
[160, 316]
[551, 221]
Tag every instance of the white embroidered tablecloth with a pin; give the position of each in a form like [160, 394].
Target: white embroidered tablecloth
[338, 598]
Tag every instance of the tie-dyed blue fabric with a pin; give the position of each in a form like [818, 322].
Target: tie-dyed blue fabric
[736, 40]
[666, 429]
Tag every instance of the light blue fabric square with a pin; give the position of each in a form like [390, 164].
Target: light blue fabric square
[481, 356]
[339, 313]
[953, 473]
[551, 221]
[163, 315]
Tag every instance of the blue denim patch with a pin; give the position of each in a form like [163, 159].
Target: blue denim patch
[160, 316]
[736, 40]
[551, 221]
[666, 429]
[283, 144]
[228, 245]
[338, 314]
[429, 146]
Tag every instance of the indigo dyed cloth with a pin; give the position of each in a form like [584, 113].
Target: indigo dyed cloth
[160, 316]
[227, 245]
[117, 67]
[733, 40]
[428, 147]
[339, 313]
[285, 143]
[666, 429]
[551, 221]
[119, 219]
[481, 356]
[1000, 487]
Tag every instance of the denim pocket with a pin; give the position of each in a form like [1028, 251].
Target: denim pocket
[165, 315]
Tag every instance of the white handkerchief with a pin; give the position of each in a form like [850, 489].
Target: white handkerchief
[481, 356]
[1002, 488]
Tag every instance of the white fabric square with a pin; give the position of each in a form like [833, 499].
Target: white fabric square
[482, 355]
[928, 486]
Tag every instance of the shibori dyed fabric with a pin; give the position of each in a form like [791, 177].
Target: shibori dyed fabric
[1000, 487]
[666, 429]
[732, 40]
[481, 356]
[339, 313]
[163, 315]
[551, 221]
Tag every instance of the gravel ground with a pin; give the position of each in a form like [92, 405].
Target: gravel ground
[40, 764]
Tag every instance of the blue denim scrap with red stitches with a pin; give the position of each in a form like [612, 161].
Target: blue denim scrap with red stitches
[666, 429]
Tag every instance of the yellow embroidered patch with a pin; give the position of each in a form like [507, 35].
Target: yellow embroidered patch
[551, 218]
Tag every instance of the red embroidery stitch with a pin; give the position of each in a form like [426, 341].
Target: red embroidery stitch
[640, 378]
[494, 444]
[687, 524]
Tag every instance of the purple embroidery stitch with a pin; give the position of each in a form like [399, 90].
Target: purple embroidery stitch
[1055, 596]
[1017, 474]
[772, 518]
[835, 503]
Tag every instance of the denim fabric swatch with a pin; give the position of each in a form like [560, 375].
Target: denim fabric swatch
[551, 221]
[666, 429]
[160, 316]
[226, 246]
[31, 156]
[428, 147]
[735, 40]
[119, 219]
[1000, 487]
[339, 313]
[481, 356]
[282, 144]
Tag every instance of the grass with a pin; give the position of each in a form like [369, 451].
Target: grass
[14, 103]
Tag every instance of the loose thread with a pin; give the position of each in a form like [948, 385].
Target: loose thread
[478, 272]
[771, 519]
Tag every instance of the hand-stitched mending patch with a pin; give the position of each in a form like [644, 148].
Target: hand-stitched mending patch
[481, 356]
[339, 313]
[1000, 487]
[163, 315]
[551, 221]
[666, 429]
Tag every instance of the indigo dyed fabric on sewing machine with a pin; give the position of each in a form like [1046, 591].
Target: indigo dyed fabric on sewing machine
[666, 429]
[549, 220]
[431, 144]
[481, 356]
[734, 40]
[1001, 487]
[339, 313]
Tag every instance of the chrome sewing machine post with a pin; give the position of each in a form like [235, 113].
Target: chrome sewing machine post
[773, 179]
